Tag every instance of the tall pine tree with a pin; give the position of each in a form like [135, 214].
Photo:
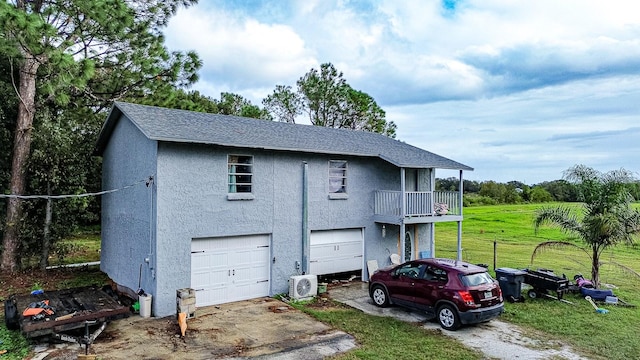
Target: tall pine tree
[79, 53]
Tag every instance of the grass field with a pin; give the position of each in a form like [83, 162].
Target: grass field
[83, 246]
[387, 338]
[597, 336]
[600, 336]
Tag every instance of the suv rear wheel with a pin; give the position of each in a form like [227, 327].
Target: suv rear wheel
[448, 317]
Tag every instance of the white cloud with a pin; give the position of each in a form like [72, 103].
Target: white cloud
[532, 135]
[240, 53]
[517, 90]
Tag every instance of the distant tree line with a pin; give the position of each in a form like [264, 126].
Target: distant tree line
[515, 192]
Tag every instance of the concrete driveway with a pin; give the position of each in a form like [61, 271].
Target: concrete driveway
[496, 339]
[356, 295]
[259, 328]
[266, 328]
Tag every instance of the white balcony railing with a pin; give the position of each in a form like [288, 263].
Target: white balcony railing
[418, 203]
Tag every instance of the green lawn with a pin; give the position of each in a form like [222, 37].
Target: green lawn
[82, 247]
[388, 338]
[598, 336]
[606, 336]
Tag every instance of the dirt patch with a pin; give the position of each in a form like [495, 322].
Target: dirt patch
[325, 302]
[247, 328]
[53, 279]
[279, 309]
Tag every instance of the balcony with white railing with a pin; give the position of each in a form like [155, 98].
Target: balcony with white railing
[419, 206]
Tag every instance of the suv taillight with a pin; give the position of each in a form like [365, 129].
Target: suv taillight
[500, 294]
[467, 298]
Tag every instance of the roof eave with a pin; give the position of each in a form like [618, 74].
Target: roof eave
[425, 166]
[245, 146]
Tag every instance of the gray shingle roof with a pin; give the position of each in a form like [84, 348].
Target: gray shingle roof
[194, 127]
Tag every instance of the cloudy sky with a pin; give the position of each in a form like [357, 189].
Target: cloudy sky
[518, 90]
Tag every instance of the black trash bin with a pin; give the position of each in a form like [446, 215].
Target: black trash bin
[511, 283]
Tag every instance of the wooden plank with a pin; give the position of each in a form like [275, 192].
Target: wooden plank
[87, 303]
[372, 266]
[65, 317]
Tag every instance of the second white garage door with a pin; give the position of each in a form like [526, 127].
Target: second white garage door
[334, 251]
[230, 269]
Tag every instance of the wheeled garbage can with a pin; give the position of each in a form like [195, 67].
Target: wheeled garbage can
[510, 281]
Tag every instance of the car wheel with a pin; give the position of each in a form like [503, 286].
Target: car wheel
[448, 317]
[380, 296]
[11, 315]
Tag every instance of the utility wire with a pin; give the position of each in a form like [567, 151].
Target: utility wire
[146, 181]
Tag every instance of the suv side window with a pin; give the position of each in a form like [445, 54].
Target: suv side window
[409, 270]
[477, 279]
[432, 273]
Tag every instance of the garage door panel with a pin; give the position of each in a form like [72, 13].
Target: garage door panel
[335, 236]
[208, 260]
[353, 263]
[230, 269]
[247, 274]
[252, 290]
[211, 296]
[351, 247]
[246, 256]
[323, 252]
[333, 251]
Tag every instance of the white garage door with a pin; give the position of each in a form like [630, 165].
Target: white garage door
[334, 251]
[230, 269]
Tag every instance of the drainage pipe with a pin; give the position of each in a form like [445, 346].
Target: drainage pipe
[305, 218]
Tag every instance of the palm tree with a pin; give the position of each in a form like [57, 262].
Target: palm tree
[606, 220]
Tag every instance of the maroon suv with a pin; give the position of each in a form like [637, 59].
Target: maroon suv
[455, 292]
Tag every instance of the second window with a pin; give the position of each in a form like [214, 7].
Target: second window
[337, 177]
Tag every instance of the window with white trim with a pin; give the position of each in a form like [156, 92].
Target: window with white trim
[240, 173]
[337, 177]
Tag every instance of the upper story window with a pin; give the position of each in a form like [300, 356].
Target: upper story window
[337, 177]
[240, 173]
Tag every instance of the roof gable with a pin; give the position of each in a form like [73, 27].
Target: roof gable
[174, 125]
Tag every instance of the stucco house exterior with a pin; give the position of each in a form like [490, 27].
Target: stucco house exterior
[233, 207]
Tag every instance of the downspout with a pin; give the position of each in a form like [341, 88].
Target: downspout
[150, 255]
[403, 204]
[305, 218]
[460, 198]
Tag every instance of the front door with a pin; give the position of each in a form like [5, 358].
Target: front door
[408, 244]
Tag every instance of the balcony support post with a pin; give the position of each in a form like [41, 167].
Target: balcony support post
[432, 243]
[460, 212]
[403, 209]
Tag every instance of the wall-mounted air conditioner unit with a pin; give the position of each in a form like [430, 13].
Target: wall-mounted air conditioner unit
[303, 286]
